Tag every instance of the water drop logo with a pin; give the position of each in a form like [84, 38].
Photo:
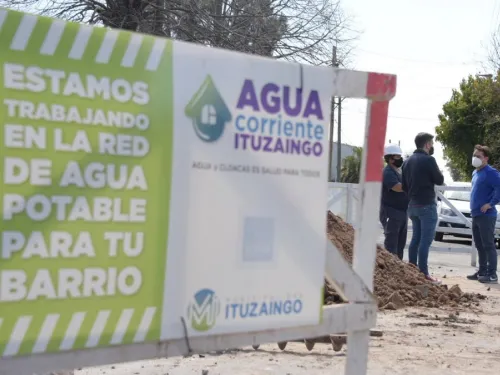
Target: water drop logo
[203, 310]
[208, 112]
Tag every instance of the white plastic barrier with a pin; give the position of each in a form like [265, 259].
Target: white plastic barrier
[157, 262]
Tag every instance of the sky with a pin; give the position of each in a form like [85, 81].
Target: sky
[430, 45]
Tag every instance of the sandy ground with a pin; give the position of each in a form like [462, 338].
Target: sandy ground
[415, 341]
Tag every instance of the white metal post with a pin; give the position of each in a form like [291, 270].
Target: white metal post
[463, 219]
[363, 264]
[380, 90]
[349, 215]
[473, 253]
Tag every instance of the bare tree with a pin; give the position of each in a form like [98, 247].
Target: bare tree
[493, 61]
[295, 30]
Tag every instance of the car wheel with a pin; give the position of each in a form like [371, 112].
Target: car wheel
[438, 236]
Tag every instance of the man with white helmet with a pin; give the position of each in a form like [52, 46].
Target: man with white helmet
[394, 202]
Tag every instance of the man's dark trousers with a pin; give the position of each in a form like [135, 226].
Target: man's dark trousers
[483, 230]
[395, 224]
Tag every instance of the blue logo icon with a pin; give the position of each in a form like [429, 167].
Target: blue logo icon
[203, 310]
[208, 111]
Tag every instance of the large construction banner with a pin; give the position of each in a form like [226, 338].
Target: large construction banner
[150, 187]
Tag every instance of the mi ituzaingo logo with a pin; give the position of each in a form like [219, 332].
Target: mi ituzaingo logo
[203, 310]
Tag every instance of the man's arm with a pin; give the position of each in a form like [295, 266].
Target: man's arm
[391, 181]
[436, 175]
[398, 188]
[494, 179]
[404, 185]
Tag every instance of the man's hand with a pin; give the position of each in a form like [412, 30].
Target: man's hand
[485, 208]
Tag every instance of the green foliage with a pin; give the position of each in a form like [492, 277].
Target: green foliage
[456, 175]
[351, 167]
[470, 117]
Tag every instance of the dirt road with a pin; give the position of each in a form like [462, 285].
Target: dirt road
[415, 341]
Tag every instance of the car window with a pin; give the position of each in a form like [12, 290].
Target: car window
[458, 195]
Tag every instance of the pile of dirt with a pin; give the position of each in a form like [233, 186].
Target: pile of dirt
[397, 284]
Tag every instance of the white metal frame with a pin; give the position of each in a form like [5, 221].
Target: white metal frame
[349, 192]
[346, 198]
[468, 223]
[355, 284]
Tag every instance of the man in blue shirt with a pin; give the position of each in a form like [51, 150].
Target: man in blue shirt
[485, 195]
[420, 175]
[394, 203]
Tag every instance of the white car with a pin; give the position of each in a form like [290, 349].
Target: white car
[461, 201]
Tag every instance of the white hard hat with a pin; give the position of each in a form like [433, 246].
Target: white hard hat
[392, 150]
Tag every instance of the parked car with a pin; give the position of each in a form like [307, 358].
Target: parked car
[461, 201]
